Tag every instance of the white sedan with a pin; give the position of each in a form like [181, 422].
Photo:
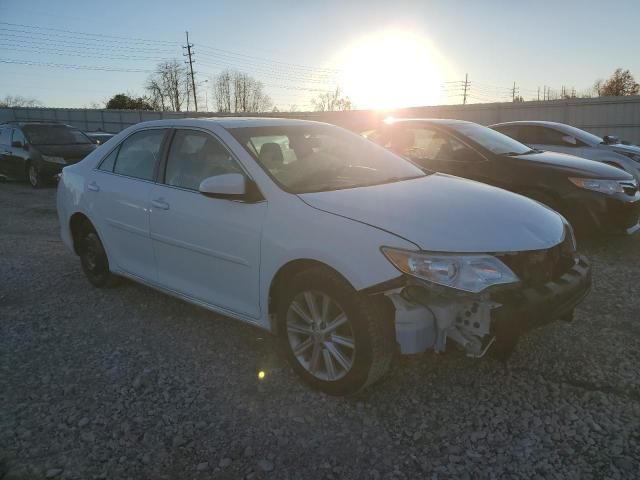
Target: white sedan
[346, 251]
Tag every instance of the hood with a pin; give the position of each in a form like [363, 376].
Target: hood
[71, 152]
[576, 165]
[448, 214]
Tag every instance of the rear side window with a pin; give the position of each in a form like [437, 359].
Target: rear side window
[108, 163]
[139, 154]
[18, 136]
[194, 156]
[5, 136]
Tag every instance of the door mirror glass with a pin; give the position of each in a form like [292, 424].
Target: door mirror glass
[228, 185]
[18, 144]
[569, 140]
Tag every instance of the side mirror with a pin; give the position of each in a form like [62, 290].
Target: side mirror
[569, 140]
[610, 140]
[18, 144]
[230, 186]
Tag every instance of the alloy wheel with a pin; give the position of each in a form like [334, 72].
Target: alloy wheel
[320, 335]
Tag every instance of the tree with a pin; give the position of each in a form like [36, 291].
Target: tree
[122, 101]
[237, 92]
[11, 101]
[621, 83]
[331, 102]
[168, 86]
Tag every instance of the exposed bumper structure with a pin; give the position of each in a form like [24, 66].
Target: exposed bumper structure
[426, 317]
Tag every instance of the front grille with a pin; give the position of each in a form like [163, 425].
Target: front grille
[537, 267]
[630, 187]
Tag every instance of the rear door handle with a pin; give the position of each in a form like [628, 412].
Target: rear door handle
[160, 203]
[94, 187]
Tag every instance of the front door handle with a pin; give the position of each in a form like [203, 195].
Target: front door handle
[94, 187]
[160, 203]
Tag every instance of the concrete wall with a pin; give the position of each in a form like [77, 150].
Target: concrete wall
[618, 116]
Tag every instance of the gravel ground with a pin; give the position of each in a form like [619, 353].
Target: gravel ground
[130, 383]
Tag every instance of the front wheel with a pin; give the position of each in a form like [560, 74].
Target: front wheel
[335, 340]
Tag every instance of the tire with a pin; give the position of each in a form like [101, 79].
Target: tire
[34, 177]
[93, 258]
[360, 346]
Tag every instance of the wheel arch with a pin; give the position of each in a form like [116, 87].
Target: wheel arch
[292, 268]
[75, 226]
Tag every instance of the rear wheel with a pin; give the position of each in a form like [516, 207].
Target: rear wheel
[35, 176]
[335, 340]
[93, 258]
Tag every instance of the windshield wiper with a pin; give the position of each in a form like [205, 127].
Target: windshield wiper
[515, 154]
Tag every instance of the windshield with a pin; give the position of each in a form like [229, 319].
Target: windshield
[315, 158]
[54, 135]
[493, 141]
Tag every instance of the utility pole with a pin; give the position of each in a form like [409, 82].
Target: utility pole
[538, 93]
[466, 84]
[189, 54]
[513, 92]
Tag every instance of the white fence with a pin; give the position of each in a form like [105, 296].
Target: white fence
[618, 116]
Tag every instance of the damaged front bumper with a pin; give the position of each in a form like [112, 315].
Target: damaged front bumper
[427, 316]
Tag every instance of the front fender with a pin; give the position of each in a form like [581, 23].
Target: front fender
[349, 247]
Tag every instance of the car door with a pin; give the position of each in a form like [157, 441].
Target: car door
[118, 192]
[206, 248]
[5, 151]
[19, 153]
[437, 150]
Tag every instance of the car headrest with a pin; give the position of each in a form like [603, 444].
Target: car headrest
[271, 155]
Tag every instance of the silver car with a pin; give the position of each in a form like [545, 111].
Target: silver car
[559, 137]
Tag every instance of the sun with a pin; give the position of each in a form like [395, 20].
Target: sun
[391, 69]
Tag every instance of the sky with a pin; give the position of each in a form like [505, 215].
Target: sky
[383, 54]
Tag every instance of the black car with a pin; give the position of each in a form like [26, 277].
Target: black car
[99, 137]
[37, 151]
[591, 195]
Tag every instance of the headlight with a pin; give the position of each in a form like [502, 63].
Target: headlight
[470, 273]
[60, 160]
[608, 187]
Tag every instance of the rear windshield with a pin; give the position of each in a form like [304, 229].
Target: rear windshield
[54, 135]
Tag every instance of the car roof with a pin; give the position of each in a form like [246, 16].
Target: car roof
[229, 122]
[21, 123]
[438, 121]
[529, 122]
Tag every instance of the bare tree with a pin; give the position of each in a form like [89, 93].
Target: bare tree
[237, 92]
[332, 101]
[11, 101]
[621, 83]
[168, 86]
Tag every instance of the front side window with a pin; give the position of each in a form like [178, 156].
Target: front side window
[139, 154]
[194, 156]
[54, 135]
[423, 144]
[315, 158]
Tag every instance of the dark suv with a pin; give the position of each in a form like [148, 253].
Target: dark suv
[37, 151]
